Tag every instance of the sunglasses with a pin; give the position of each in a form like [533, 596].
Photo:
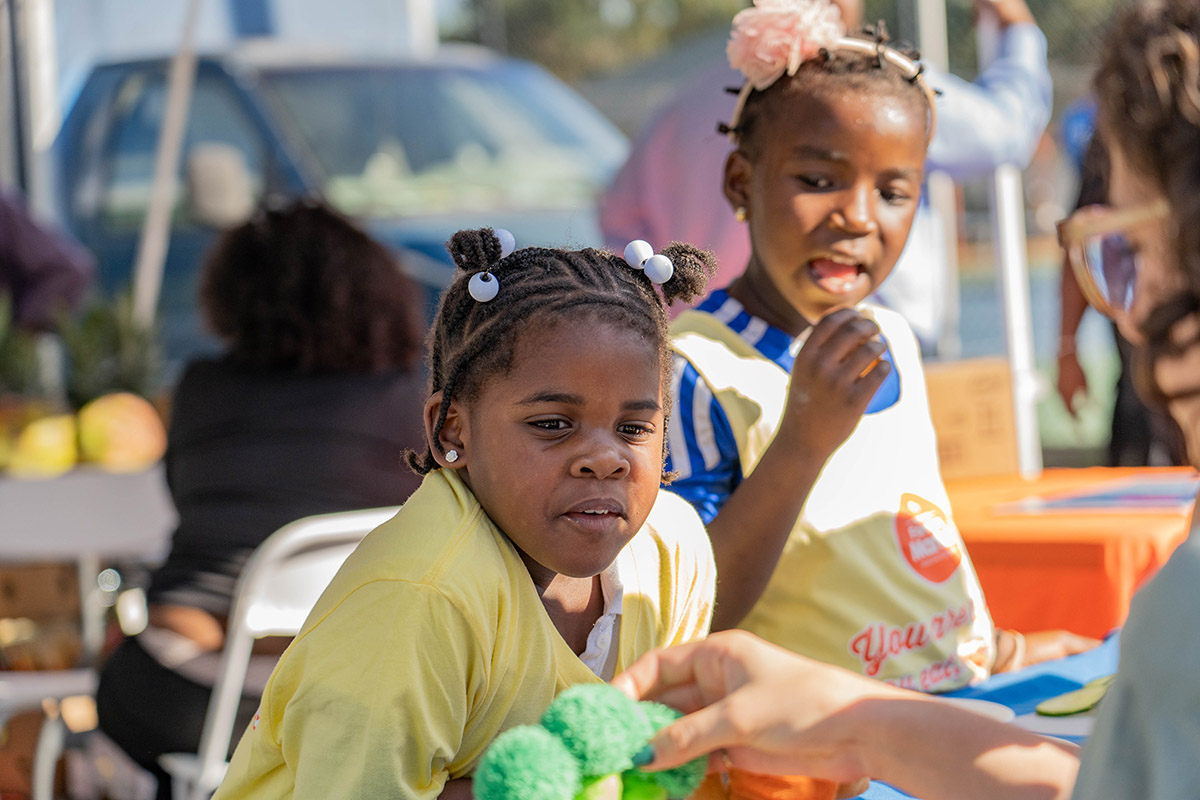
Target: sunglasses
[1096, 241]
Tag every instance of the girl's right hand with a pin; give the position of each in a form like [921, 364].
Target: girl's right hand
[836, 373]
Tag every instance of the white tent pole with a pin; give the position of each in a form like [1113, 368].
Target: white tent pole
[942, 193]
[1008, 242]
[422, 26]
[152, 246]
[41, 93]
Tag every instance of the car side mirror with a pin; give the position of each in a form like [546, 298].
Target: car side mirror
[219, 188]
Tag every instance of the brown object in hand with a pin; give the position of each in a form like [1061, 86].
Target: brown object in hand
[739, 784]
[870, 366]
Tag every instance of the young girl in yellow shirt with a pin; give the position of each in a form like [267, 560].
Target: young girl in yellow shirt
[538, 552]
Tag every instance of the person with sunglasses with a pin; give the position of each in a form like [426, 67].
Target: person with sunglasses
[1139, 436]
[768, 710]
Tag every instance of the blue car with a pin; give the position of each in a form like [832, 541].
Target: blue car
[415, 149]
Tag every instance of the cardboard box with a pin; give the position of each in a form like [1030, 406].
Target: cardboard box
[39, 591]
[971, 402]
[39, 617]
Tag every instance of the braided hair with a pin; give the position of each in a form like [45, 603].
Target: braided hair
[471, 341]
[833, 71]
[1148, 96]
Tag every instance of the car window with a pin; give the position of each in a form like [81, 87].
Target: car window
[408, 140]
[215, 116]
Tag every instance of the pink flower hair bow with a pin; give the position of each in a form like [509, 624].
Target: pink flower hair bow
[777, 36]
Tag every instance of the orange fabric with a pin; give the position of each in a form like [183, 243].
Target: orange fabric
[1076, 569]
[743, 785]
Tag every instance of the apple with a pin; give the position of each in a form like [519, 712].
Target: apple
[44, 448]
[121, 432]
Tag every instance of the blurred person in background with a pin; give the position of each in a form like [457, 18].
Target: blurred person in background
[766, 710]
[1139, 436]
[309, 410]
[42, 272]
[669, 188]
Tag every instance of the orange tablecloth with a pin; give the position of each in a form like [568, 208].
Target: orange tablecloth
[1074, 569]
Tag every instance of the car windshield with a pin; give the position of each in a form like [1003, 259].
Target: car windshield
[429, 139]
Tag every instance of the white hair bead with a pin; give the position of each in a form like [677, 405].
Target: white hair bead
[483, 286]
[508, 243]
[659, 268]
[636, 253]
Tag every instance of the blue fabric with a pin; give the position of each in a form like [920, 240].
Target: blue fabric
[1076, 127]
[706, 489]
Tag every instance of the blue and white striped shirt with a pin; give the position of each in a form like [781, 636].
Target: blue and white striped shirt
[701, 445]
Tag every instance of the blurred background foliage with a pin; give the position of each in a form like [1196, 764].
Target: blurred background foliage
[582, 38]
[587, 38]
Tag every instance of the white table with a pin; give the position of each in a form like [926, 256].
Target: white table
[89, 517]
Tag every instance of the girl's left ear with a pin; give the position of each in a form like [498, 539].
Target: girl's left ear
[738, 171]
[448, 447]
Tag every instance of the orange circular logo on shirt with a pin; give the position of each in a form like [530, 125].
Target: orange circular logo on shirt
[920, 528]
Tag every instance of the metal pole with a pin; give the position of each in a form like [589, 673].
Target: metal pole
[939, 187]
[15, 92]
[422, 26]
[43, 111]
[1008, 242]
[152, 247]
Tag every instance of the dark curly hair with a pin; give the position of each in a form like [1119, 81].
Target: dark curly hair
[301, 287]
[470, 341]
[1148, 97]
[834, 71]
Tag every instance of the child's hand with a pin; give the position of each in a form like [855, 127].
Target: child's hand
[1048, 645]
[1071, 382]
[836, 374]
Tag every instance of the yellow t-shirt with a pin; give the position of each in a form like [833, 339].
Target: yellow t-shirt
[432, 639]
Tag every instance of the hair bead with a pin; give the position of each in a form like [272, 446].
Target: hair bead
[483, 286]
[508, 242]
[659, 269]
[636, 253]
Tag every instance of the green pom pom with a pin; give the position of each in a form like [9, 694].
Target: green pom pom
[599, 725]
[637, 785]
[527, 763]
[601, 788]
[678, 781]
[659, 715]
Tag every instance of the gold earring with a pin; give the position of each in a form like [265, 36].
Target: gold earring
[739, 213]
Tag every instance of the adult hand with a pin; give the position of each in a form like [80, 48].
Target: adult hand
[767, 709]
[835, 375]
[771, 711]
[1007, 12]
[1071, 382]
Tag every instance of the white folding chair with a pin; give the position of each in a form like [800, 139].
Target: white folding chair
[277, 588]
[41, 690]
